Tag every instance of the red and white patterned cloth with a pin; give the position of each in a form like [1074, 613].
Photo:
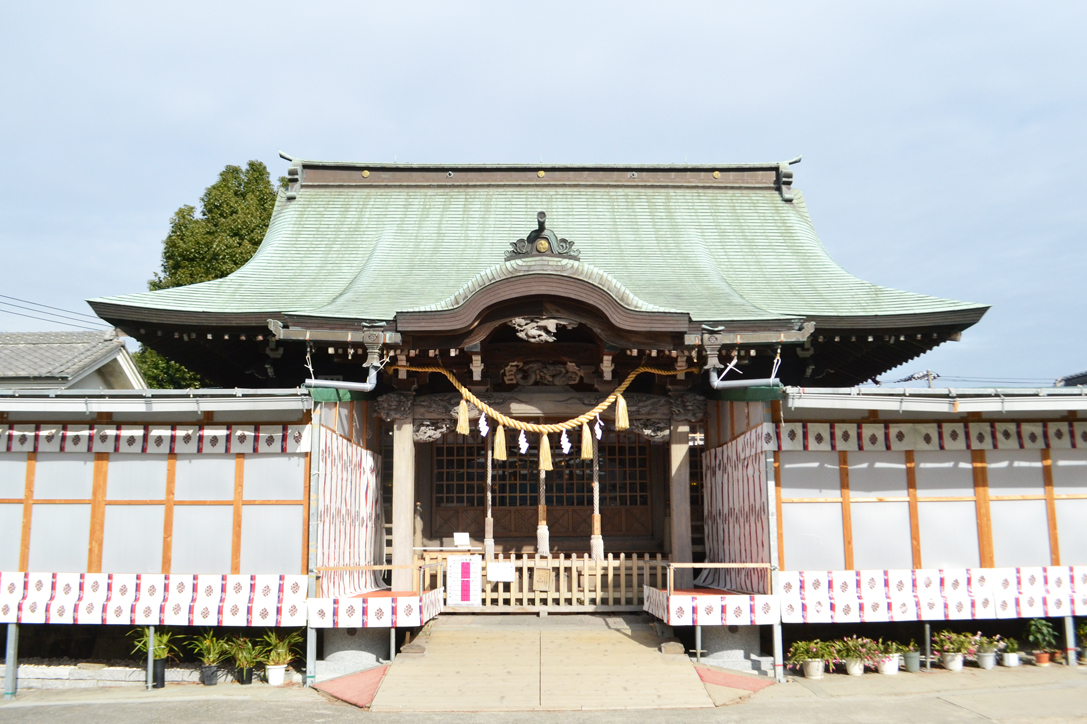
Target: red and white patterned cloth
[152, 599]
[186, 439]
[931, 594]
[382, 611]
[827, 436]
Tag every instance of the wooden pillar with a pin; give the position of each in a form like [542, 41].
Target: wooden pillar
[1051, 508]
[681, 501]
[28, 511]
[847, 515]
[981, 502]
[98, 513]
[403, 501]
[915, 521]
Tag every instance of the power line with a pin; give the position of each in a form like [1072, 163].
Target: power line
[37, 304]
[51, 314]
[53, 321]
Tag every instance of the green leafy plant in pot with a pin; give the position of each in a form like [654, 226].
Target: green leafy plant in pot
[953, 647]
[211, 650]
[163, 646]
[276, 651]
[1041, 634]
[246, 656]
[985, 650]
[1009, 652]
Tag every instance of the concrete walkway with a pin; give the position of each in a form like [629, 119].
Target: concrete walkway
[1053, 695]
[525, 663]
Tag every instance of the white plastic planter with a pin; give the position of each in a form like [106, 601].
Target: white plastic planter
[813, 668]
[854, 667]
[952, 662]
[275, 674]
[986, 660]
[889, 667]
[1010, 659]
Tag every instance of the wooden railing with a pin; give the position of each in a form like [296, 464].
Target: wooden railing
[574, 583]
[426, 573]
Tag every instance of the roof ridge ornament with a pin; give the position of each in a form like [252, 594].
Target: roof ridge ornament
[541, 241]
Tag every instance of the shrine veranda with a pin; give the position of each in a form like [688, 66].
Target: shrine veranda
[504, 302]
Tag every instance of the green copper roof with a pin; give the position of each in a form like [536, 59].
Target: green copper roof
[369, 251]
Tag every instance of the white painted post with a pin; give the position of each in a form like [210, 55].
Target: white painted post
[316, 463]
[1070, 641]
[403, 501]
[11, 662]
[779, 655]
[150, 657]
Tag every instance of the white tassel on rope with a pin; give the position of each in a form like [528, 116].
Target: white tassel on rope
[484, 428]
[522, 442]
[564, 442]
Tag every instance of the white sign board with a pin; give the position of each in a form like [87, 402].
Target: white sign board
[500, 571]
[461, 540]
[464, 580]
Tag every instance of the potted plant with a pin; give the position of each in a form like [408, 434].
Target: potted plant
[986, 648]
[889, 657]
[163, 646]
[855, 652]
[952, 647]
[1009, 653]
[1040, 633]
[1081, 636]
[812, 656]
[211, 650]
[276, 652]
[245, 655]
[911, 657]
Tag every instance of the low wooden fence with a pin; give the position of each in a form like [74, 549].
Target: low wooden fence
[573, 583]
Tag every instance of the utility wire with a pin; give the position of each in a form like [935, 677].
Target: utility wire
[50, 314]
[54, 321]
[37, 304]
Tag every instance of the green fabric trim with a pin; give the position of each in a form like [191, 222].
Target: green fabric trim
[328, 394]
[748, 394]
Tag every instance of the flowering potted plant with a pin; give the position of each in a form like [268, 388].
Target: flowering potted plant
[889, 656]
[812, 656]
[855, 652]
[211, 650]
[1009, 653]
[1040, 633]
[952, 647]
[986, 649]
[911, 657]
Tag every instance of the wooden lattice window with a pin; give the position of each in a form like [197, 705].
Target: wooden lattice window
[697, 443]
[460, 473]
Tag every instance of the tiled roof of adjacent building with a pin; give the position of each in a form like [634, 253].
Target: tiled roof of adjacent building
[54, 355]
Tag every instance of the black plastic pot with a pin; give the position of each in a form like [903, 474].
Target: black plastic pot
[245, 676]
[158, 674]
[209, 675]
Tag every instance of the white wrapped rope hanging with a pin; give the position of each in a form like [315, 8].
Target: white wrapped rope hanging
[564, 442]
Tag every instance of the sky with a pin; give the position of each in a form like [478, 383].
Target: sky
[942, 142]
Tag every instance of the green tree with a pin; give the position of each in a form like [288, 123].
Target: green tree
[234, 215]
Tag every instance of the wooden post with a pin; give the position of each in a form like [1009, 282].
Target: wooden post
[168, 513]
[403, 500]
[681, 500]
[981, 504]
[915, 521]
[236, 538]
[98, 512]
[1051, 508]
[28, 506]
[847, 515]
